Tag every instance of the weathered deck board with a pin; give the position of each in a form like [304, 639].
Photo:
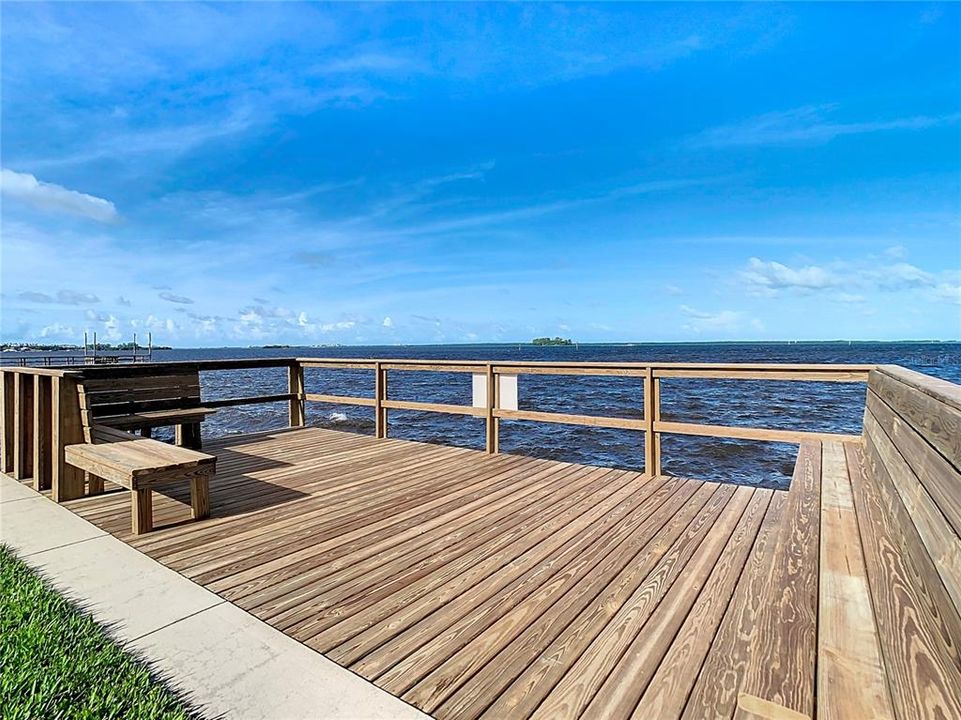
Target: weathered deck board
[502, 586]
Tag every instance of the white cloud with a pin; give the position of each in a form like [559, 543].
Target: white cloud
[388, 323]
[703, 321]
[807, 125]
[767, 278]
[55, 198]
[948, 291]
[848, 279]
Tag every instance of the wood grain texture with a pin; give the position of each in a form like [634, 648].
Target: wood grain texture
[937, 421]
[919, 650]
[784, 643]
[851, 680]
[500, 586]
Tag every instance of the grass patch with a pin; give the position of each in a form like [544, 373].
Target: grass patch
[57, 662]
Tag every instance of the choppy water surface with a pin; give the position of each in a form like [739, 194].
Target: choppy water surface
[834, 407]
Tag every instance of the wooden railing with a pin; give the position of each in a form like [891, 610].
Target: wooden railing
[649, 376]
[40, 414]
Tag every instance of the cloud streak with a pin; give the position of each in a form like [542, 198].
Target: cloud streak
[55, 198]
[808, 125]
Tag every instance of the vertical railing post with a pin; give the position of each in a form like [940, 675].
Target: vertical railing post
[657, 419]
[6, 416]
[380, 394]
[67, 481]
[42, 431]
[22, 426]
[296, 412]
[650, 442]
[493, 423]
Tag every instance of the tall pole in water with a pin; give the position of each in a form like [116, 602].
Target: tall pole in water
[135, 347]
[85, 346]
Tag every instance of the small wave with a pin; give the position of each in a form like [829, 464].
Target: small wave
[337, 417]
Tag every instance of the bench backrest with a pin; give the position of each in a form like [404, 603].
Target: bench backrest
[105, 397]
[912, 452]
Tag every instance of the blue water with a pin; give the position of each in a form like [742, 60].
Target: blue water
[811, 406]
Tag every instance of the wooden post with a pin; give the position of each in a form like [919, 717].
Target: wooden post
[200, 497]
[493, 423]
[42, 432]
[296, 415]
[22, 426]
[657, 419]
[650, 443]
[141, 511]
[94, 484]
[380, 394]
[7, 416]
[67, 481]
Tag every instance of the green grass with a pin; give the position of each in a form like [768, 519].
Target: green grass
[57, 662]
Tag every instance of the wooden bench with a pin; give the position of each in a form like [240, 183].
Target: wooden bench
[139, 402]
[141, 465]
[862, 606]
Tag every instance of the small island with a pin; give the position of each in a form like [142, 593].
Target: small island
[552, 341]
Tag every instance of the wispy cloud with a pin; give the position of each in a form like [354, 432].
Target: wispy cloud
[808, 125]
[699, 321]
[55, 198]
[62, 297]
[180, 299]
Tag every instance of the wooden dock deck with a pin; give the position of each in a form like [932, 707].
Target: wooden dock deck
[476, 585]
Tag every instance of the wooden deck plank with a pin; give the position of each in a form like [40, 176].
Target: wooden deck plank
[781, 666]
[502, 586]
[715, 693]
[678, 670]
[851, 680]
[583, 679]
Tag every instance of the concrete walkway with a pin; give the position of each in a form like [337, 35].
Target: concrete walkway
[227, 661]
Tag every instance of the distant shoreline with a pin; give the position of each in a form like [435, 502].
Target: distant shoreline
[574, 347]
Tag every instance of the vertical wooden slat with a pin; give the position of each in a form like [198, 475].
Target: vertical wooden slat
[6, 432]
[650, 456]
[67, 482]
[22, 426]
[658, 470]
[295, 386]
[496, 393]
[380, 394]
[42, 432]
[491, 441]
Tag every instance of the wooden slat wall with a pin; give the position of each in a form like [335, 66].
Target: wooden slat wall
[907, 494]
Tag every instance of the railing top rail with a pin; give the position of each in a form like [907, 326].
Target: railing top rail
[48, 372]
[804, 367]
[145, 368]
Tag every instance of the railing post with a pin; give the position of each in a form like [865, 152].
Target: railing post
[6, 415]
[67, 481]
[493, 423]
[296, 414]
[657, 433]
[651, 440]
[22, 426]
[42, 431]
[380, 394]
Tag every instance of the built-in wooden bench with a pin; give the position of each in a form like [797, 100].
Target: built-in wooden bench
[141, 465]
[860, 603]
[138, 402]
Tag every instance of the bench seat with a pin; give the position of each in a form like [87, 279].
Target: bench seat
[140, 465]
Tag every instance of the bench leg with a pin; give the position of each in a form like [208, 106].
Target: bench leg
[146, 432]
[94, 484]
[141, 511]
[188, 435]
[200, 497]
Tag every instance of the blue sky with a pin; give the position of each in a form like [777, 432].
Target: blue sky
[237, 174]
